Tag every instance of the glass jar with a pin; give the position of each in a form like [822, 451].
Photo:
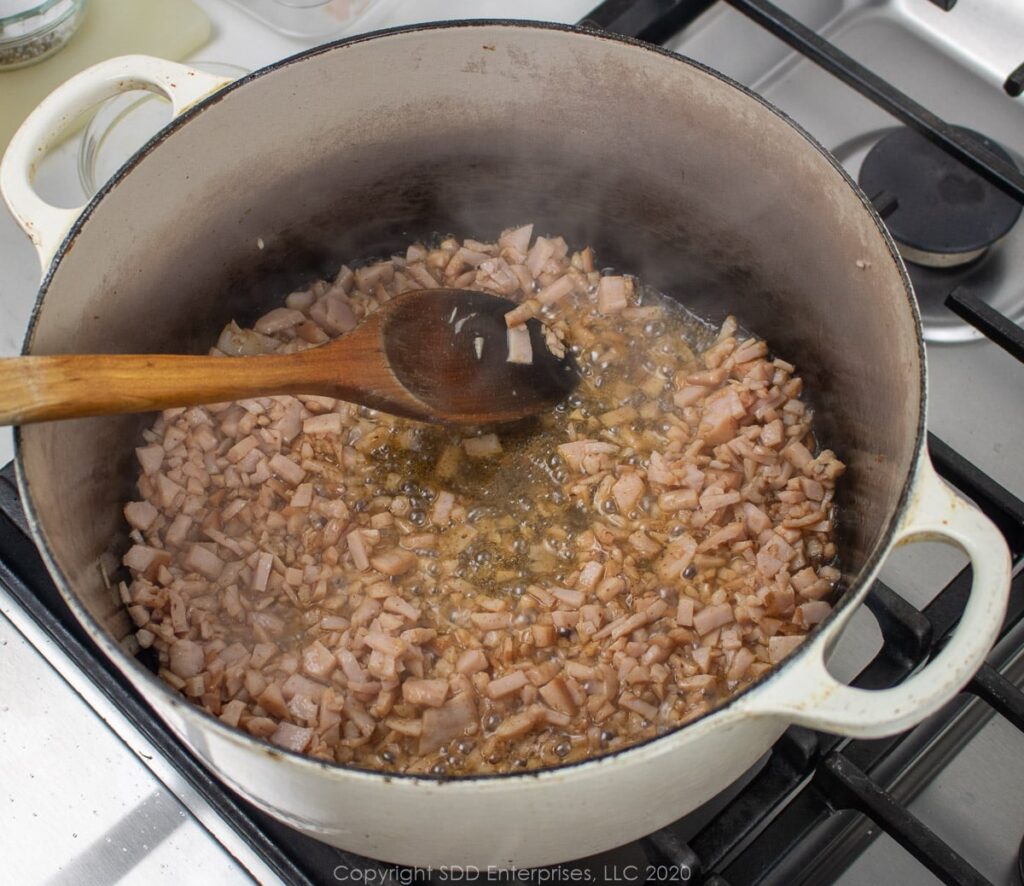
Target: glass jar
[32, 30]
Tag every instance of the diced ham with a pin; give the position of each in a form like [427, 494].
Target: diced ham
[711, 617]
[185, 658]
[278, 320]
[520, 350]
[517, 238]
[261, 574]
[718, 421]
[645, 709]
[627, 490]
[318, 661]
[140, 514]
[151, 458]
[588, 456]
[472, 661]
[538, 255]
[204, 561]
[556, 291]
[611, 295]
[797, 455]
[491, 621]
[292, 737]
[451, 720]
[521, 723]
[815, 612]
[727, 534]
[678, 500]
[328, 423]
[569, 597]
[425, 692]
[384, 643]
[511, 682]
[741, 663]
[684, 612]
[679, 554]
[145, 559]
[556, 695]
[781, 645]
[393, 562]
[286, 469]
[484, 446]
[357, 548]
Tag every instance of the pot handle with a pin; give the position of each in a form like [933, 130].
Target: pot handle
[808, 695]
[46, 224]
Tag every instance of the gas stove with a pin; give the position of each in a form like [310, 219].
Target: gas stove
[917, 98]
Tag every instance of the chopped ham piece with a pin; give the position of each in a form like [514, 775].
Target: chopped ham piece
[517, 238]
[451, 720]
[627, 490]
[357, 548]
[186, 658]
[151, 458]
[520, 350]
[711, 617]
[204, 561]
[261, 574]
[808, 614]
[286, 469]
[140, 514]
[510, 683]
[278, 320]
[611, 295]
[797, 455]
[781, 646]
[588, 456]
[558, 290]
[472, 661]
[684, 612]
[484, 446]
[328, 423]
[291, 737]
[425, 692]
[318, 661]
[519, 724]
[394, 562]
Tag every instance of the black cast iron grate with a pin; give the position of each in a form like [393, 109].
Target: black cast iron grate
[792, 822]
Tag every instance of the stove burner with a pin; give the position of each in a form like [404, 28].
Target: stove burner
[946, 215]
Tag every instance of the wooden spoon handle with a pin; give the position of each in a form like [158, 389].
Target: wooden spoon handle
[71, 386]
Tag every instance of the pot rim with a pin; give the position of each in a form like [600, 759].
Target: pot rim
[851, 597]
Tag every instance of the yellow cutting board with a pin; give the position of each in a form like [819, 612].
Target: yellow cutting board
[170, 29]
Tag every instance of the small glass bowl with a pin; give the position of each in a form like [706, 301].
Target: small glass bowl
[36, 30]
[308, 19]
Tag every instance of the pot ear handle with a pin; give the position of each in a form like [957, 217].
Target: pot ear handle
[805, 693]
[46, 224]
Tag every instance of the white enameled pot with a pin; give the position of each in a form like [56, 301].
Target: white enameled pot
[668, 170]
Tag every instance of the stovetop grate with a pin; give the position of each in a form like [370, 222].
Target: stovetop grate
[818, 800]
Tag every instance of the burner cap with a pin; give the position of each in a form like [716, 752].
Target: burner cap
[946, 214]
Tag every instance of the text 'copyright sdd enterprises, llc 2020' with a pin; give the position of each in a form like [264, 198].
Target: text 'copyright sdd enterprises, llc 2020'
[471, 874]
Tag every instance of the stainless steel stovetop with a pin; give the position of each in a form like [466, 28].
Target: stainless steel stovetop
[96, 801]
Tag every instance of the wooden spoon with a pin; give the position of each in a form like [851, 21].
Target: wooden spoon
[437, 355]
